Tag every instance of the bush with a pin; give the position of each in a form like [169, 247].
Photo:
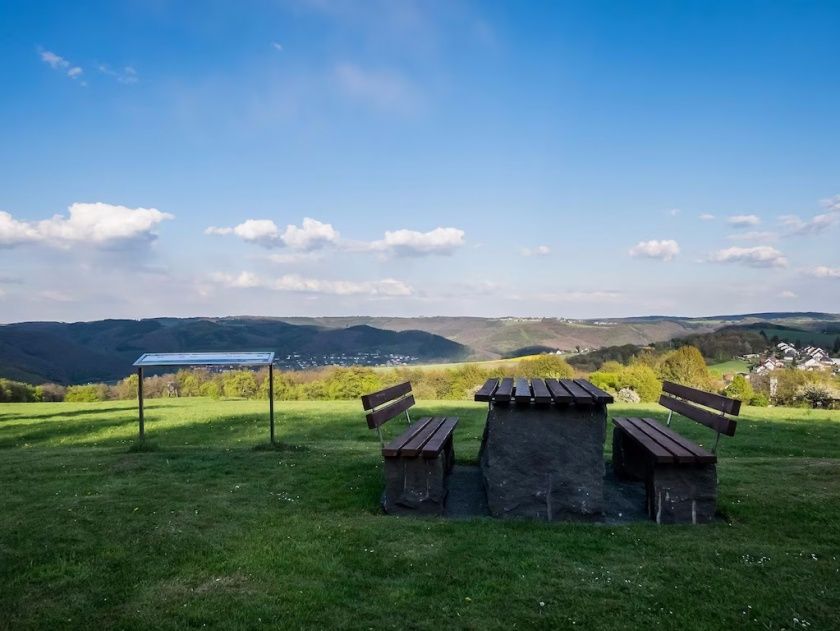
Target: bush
[639, 378]
[17, 392]
[87, 394]
[687, 367]
[740, 389]
[546, 366]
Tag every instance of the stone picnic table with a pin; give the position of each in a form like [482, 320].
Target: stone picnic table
[542, 453]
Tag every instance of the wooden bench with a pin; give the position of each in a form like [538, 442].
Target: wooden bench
[418, 460]
[680, 476]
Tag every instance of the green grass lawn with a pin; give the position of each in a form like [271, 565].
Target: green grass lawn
[732, 367]
[207, 531]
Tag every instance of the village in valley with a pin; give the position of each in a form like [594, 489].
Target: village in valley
[785, 355]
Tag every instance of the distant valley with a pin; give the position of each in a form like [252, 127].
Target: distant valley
[68, 353]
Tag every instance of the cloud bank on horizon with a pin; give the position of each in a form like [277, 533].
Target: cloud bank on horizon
[403, 158]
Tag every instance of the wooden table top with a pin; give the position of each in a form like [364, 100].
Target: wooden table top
[560, 392]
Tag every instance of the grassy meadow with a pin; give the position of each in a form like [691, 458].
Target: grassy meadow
[212, 529]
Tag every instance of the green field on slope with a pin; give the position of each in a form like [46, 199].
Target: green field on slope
[209, 532]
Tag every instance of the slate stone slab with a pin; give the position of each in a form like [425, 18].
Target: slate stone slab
[544, 462]
[683, 495]
[417, 486]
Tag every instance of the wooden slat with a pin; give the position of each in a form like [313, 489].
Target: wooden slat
[656, 450]
[385, 414]
[560, 395]
[374, 399]
[523, 392]
[701, 455]
[681, 454]
[504, 391]
[709, 419]
[486, 391]
[436, 442]
[392, 449]
[595, 391]
[709, 399]
[413, 447]
[581, 396]
[541, 394]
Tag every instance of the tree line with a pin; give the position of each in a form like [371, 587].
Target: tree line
[638, 379]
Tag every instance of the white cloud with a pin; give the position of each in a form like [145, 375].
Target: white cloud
[664, 250]
[759, 256]
[312, 234]
[126, 75]
[300, 284]
[540, 250]
[832, 204]
[277, 46]
[706, 217]
[96, 223]
[674, 212]
[787, 294]
[823, 271]
[57, 62]
[743, 221]
[380, 88]
[413, 243]
[815, 225]
[753, 235]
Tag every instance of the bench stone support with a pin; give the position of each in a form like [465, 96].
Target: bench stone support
[682, 494]
[676, 494]
[417, 486]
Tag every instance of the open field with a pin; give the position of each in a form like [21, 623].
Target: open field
[733, 366]
[207, 530]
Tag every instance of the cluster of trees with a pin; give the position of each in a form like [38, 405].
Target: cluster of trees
[639, 379]
[19, 392]
[329, 383]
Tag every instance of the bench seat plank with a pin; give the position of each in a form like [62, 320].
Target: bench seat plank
[413, 447]
[432, 448]
[392, 449]
[701, 455]
[659, 453]
[681, 454]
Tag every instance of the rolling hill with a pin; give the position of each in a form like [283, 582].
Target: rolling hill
[104, 350]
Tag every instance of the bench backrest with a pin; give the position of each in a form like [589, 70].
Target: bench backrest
[680, 399]
[386, 404]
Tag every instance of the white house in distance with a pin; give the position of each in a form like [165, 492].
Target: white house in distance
[809, 358]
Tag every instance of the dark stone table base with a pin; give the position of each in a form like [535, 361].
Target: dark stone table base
[417, 486]
[544, 463]
[676, 494]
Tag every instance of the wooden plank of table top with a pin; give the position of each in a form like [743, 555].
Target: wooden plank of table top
[522, 392]
[595, 391]
[582, 397]
[560, 395]
[504, 391]
[541, 394]
[486, 391]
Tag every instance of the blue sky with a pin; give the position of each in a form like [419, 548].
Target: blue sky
[320, 157]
